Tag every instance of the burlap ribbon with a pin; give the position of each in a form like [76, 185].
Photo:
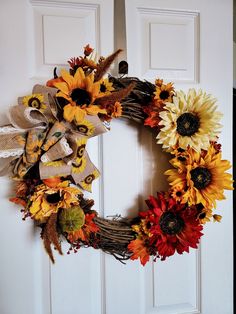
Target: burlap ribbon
[37, 136]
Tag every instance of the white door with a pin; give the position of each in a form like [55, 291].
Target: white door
[186, 41]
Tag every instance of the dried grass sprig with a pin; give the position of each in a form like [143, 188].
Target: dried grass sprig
[115, 96]
[105, 64]
[50, 236]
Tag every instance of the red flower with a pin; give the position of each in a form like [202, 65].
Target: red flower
[174, 226]
[167, 227]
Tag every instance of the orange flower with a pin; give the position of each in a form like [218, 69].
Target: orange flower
[117, 110]
[139, 250]
[87, 50]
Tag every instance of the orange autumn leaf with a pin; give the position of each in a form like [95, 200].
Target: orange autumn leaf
[139, 251]
[51, 82]
[76, 235]
[18, 201]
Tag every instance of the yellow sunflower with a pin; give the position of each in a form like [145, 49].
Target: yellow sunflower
[80, 91]
[190, 121]
[179, 194]
[86, 184]
[86, 128]
[164, 92]
[203, 176]
[80, 148]
[46, 201]
[79, 166]
[35, 101]
[205, 214]
[106, 87]
[33, 146]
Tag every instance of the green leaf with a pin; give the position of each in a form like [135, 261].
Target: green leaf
[57, 134]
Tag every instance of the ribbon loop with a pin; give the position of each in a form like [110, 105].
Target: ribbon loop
[37, 137]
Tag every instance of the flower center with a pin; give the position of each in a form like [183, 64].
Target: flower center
[81, 97]
[34, 103]
[202, 215]
[103, 88]
[53, 198]
[201, 177]
[187, 124]
[164, 94]
[82, 128]
[80, 151]
[89, 179]
[171, 223]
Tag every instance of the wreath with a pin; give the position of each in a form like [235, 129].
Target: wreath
[44, 152]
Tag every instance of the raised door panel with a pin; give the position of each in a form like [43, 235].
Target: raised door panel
[46, 34]
[177, 42]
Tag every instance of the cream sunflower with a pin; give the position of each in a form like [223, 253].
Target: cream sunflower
[80, 91]
[203, 176]
[46, 201]
[190, 121]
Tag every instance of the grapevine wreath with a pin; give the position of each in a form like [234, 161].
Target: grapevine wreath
[44, 152]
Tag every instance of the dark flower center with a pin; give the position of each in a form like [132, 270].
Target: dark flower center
[171, 223]
[187, 124]
[81, 97]
[79, 164]
[178, 193]
[199, 207]
[80, 151]
[34, 103]
[53, 198]
[164, 94]
[181, 158]
[89, 179]
[201, 177]
[103, 88]
[202, 215]
[82, 128]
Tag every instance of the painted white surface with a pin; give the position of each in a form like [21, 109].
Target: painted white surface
[234, 64]
[35, 36]
[198, 282]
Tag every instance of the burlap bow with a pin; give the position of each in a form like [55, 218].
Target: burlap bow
[36, 136]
